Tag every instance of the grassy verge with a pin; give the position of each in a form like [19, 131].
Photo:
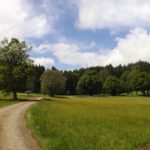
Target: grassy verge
[7, 100]
[74, 123]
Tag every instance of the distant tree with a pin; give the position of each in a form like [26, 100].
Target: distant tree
[71, 82]
[103, 75]
[54, 68]
[53, 82]
[142, 66]
[89, 83]
[112, 85]
[141, 82]
[110, 69]
[118, 71]
[14, 63]
[38, 71]
[126, 79]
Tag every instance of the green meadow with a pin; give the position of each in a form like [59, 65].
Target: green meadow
[91, 123]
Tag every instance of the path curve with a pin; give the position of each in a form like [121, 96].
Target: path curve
[14, 135]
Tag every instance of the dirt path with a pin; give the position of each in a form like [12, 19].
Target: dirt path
[14, 134]
[146, 147]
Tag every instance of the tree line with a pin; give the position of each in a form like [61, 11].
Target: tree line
[19, 74]
[134, 77]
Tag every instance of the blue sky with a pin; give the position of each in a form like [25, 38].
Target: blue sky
[70, 34]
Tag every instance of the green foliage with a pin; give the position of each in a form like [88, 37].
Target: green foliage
[103, 75]
[125, 74]
[95, 123]
[52, 82]
[127, 80]
[14, 62]
[141, 82]
[112, 85]
[71, 82]
[89, 83]
[33, 83]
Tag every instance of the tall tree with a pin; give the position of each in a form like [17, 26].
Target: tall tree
[71, 82]
[14, 61]
[38, 71]
[141, 82]
[53, 82]
[89, 83]
[112, 85]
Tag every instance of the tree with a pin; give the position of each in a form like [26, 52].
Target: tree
[126, 79]
[141, 82]
[53, 82]
[112, 85]
[71, 82]
[14, 62]
[103, 75]
[34, 83]
[89, 83]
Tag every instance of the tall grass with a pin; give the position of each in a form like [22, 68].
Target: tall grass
[108, 123]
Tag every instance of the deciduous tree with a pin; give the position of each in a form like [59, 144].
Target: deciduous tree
[53, 82]
[14, 61]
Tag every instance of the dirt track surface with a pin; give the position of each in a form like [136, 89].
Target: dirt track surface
[14, 134]
[146, 147]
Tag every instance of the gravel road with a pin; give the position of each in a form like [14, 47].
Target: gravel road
[14, 135]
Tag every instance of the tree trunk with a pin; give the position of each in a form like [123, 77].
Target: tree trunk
[143, 93]
[14, 95]
[148, 93]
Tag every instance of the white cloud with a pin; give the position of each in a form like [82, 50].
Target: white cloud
[17, 19]
[41, 48]
[71, 54]
[112, 14]
[47, 62]
[134, 47]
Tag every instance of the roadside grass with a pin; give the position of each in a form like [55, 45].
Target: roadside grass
[91, 123]
[7, 100]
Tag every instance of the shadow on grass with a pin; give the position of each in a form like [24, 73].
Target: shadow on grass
[62, 97]
[19, 100]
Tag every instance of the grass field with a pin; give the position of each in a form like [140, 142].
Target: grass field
[7, 100]
[84, 123]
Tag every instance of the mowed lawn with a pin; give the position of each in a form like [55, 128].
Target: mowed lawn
[91, 123]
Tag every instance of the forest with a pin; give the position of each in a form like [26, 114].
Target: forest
[134, 77]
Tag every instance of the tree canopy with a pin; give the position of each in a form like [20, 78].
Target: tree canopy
[14, 62]
[112, 85]
[89, 83]
[53, 82]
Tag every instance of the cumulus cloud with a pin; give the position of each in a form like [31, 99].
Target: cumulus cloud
[112, 14]
[134, 47]
[19, 19]
[71, 54]
[47, 62]
[41, 49]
